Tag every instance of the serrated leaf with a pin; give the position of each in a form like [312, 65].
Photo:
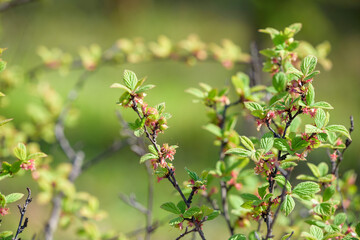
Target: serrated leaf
[293, 71]
[118, 85]
[139, 132]
[20, 152]
[267, 141]
[148, 156]
[249, 196]
[298, 143]
[281, 144]
[37, 155]
[316, 232]
[340, 218]
[212, 128]
[324, 209]
[320, 118]
[328, 193]
[262, 190]
[288, 205]
[312, 129]
[145, 88]
[280, 179]
[238, 237]
[247, 143]
[152, 150]
[196, 92]
[310, 95]
[182, 206]
[314, 169]
[170, 207]
[192, 175]
[252, 106]
[239, 151]
[279, 81]
[306, 189]
[191, 212]
[323, 105]
[175, 221]
[130, 79]
[339, 129]
[323, 168]
[308, 64]
[213, 215]
[13, 197]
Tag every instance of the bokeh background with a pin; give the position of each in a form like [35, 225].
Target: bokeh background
[69, 24]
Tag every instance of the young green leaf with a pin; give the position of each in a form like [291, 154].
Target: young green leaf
[130, 79]
[324, 209]
[267, 141]
[308, 64]
[288, 205]
[340, 218]
[298, 143]
[328, 193]
[252, 106]
[213, 215]
[192, 175]
[239, 151]
[247, 143]
[213, 129]
[310, 95]
[279, 81]
[20, 152]
[170, 207]
[312, 129]
[316, 232]
[320, 118]
[281, 180]
[323, 105]
[314, 169]
[191, 212]
[339, 129]
[306, 188]
[13, 197]
[148, 156]
[118, 85]
[196, 92]
[3, 122]
[175, 221]
[238, 237]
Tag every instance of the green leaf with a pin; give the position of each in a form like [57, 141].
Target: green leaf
[262, 190]
[196, 92]
[267, 141]
[357, 229]
[145, 88]
[20, 152]
[118, 85]
[249, 196]
[340, 218]
[320, 118]
[308, 64]
[6, 235]
[316, 232]
[37, 155]
[175, 221]
[148, 156]
[314, 169]
[288, 205]
[323, 105]
[192, 175]
[130, 79]
[310, 95]
[306, 189]
[213, 129]
[312, 129]
[295, 27]
[191, 212]
[292, 71]
[252, 106]
[153, 150]
[3, 122]
[170, 207]
[280, 179]
[239, 151]
[328, 193]
[13, 197]
[281, 144]
[213, 215]
[324, 209]
[298, 143]
[238, 237]
[247, 143]
[279, 81]
[182, 206]
[323, 168]
[139, 132]
[339, 129]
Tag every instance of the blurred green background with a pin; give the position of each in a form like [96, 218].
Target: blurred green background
[69, 24]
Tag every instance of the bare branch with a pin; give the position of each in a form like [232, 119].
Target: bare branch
[131, 201]
[22, 211]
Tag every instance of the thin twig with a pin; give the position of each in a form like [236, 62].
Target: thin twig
[22, 211]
